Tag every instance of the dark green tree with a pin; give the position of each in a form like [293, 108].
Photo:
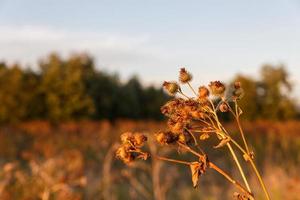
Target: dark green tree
[275, 89]
[64, 87]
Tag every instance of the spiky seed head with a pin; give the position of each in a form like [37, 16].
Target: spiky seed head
[224, 107]
[203, 92]
[237, 84]
[139, 139]
[175, 126]
[184, 76]
[125, 137]
[123, 154]
[217, 88]
[171, 87]
[165, 137]
[160, 138]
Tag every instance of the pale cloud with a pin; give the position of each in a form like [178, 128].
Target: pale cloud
[26, 44]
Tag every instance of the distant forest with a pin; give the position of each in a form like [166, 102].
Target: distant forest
[75, 89]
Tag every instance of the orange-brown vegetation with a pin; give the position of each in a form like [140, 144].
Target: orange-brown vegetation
[78, 156]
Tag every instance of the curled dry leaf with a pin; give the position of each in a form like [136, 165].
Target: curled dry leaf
[223, 142]
[195, 169]
[198, 168]
[204, 136]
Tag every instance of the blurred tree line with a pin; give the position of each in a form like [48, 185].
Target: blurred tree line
[269, 96]
[73, 89]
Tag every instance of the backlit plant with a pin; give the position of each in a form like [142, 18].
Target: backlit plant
[194, 119]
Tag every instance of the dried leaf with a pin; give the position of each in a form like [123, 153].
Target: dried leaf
[195, 166]
[204, 161]
[204, 136]
[223, 142]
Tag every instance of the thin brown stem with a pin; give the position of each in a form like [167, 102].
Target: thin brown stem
[224, 135]
[239, 166]
[260, 179]
[195, 140]
[180, 92]
[172, 160]
[189, 149]
[201, 131]
[192, 88]
[237, 117]
[228, 177]
[193, 136]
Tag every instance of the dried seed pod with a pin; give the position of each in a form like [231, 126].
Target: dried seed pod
[164, 138]
[139, 139]
[237, 93]
[237, 85]
[217, 88]
[176, 127]
[198, 114]
[123, 154]
[184, 76]
[224, 107]
[203, 92]
[126, 137]
[171, 87]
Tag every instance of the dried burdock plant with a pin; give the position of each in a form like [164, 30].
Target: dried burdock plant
[194, 119]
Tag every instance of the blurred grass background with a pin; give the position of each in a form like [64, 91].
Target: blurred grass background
[75, 160]
[60, 126]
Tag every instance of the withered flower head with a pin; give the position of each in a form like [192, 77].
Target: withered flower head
[176, 126]
[135, 139]
[166, 137]
[171, 106]
[198, 114]
[130, 149]
[139, 139]
[203, 92]
[238, 91]
[217, 88]
[126, 137]
[224, 107]
[237, 85]
[184, 76]
[171, 87]
[123, 153]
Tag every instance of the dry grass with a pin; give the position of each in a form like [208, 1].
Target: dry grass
[85, 147]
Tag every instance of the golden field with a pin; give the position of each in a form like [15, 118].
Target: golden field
[75, 160]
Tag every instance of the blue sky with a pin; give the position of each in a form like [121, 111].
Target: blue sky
[213, 39]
